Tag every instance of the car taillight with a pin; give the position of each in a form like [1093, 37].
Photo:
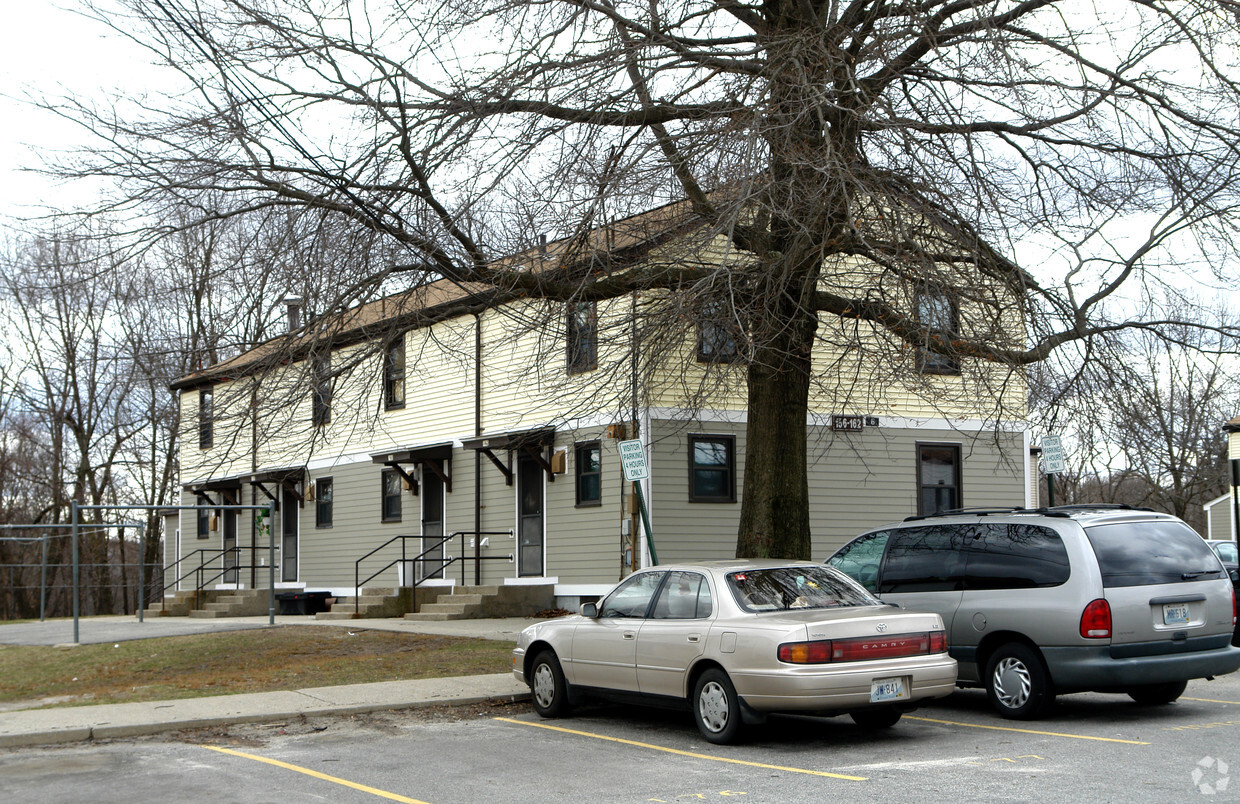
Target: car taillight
[860, 649]
[1096, 620]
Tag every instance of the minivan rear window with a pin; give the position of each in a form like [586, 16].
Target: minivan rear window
[1148, 553]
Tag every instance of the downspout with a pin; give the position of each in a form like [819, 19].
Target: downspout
[253, 497]
[477, 454]
[1235, 499]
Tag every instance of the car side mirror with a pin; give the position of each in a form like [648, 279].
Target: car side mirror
[1235, 576]
[589, 610]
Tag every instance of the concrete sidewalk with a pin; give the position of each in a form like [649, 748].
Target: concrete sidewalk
[73, 723]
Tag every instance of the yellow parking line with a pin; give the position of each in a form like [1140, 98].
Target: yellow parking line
[345, 782]
[1211, 700]
[682, 753]
[1026, 731]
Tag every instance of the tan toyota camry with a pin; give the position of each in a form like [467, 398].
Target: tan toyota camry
[737, 640]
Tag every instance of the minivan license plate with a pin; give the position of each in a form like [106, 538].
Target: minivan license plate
[887, 689]
[1175, 613]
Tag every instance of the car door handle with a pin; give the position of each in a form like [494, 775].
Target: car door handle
[694, 637]
[629, 634]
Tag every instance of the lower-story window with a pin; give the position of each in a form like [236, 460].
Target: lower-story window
[323, 502]
[712, 468]
[938, 478]
[391, 496]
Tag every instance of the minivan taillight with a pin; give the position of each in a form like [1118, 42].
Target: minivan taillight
[1233, 607]
[1096, 620]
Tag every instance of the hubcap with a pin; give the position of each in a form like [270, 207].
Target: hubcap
[1012, 683]
[713, 706]
[544, 686]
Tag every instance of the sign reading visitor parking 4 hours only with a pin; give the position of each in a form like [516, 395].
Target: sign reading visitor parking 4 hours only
[633, 458]
[1052, 455]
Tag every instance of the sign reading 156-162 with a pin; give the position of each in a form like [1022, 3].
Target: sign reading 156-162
[633, 459]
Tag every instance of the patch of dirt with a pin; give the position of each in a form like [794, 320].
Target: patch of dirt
[254, 735]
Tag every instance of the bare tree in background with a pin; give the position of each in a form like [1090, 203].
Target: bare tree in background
[1145, 424]
[1037, 162]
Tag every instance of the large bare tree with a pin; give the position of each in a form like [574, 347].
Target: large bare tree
[1042, 164]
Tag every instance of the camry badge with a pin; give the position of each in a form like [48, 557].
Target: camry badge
[881, 627]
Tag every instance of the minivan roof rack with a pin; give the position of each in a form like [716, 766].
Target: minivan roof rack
[972, 512]
[1099, 507]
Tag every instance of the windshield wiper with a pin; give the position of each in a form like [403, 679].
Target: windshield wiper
[1189, 576]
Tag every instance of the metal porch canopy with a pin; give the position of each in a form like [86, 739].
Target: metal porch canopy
[531, 442]
[281, 477]
[435, 457]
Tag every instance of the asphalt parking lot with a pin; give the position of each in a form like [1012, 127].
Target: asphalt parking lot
[1093, 747]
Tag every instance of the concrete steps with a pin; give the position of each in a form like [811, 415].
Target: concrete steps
[241, 603]
[372, 602]
[479, 602]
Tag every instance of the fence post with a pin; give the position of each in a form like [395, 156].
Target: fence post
[271, 561]
[76, 594]
[141, 570]
[43, 582]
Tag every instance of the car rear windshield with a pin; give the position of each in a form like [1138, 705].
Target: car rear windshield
[785, 588]
[1147, 553]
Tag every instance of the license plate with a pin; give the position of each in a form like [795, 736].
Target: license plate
[1175, 613]
[887, 689]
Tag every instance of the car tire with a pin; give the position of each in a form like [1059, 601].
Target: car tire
[548, 689]
[1154, 694]
[883, 717]
[1017, 683]
[716, 707]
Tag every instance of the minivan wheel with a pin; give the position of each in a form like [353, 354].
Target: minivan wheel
[716, 707]
[1017, 683]
[548, 688]
[1153, 694]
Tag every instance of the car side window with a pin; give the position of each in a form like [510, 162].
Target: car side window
[632, 597]
[685, 596]
[860, 560]
[1015, 557]
[924, 559]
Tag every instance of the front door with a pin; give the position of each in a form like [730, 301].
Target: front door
[230, 546]
[529, 516]
[431, 565]
[288, 537]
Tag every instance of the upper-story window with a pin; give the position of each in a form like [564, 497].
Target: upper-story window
[938, 315]
[394, 374]
[582, 337]
[589, 473]
[206, 418]
[321, 388]
[717, 331]
[712, 468]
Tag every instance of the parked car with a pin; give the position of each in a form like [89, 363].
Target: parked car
[1225, 549]
[1039, 603]
[734, 641]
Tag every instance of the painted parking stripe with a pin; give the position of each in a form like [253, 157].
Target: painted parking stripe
[679, 752]
[1210, 700]
[1026, 731]
[374, 791]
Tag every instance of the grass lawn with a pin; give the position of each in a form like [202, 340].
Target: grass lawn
[259, 660]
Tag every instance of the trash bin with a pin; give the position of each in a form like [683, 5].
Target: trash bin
[303, 602]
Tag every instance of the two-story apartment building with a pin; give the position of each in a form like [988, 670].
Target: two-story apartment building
[422, 415]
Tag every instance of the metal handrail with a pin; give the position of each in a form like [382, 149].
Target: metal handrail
[444, 561]
[207, 557]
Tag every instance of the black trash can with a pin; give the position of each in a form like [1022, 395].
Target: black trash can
[303, 602]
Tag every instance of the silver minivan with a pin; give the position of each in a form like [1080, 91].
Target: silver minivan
[1043, 602]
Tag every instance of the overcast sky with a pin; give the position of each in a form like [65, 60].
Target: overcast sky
[46, 48]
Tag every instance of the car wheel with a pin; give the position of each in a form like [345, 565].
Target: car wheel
[1153, 694]
[716, 708]
[548, 689]
[1017, 683]
[878, 718]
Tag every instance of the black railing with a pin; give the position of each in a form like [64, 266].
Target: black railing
[206, 557]
[437, 553]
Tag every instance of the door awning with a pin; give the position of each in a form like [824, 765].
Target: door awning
[287, 477]
[530, 442]
[435, 457]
